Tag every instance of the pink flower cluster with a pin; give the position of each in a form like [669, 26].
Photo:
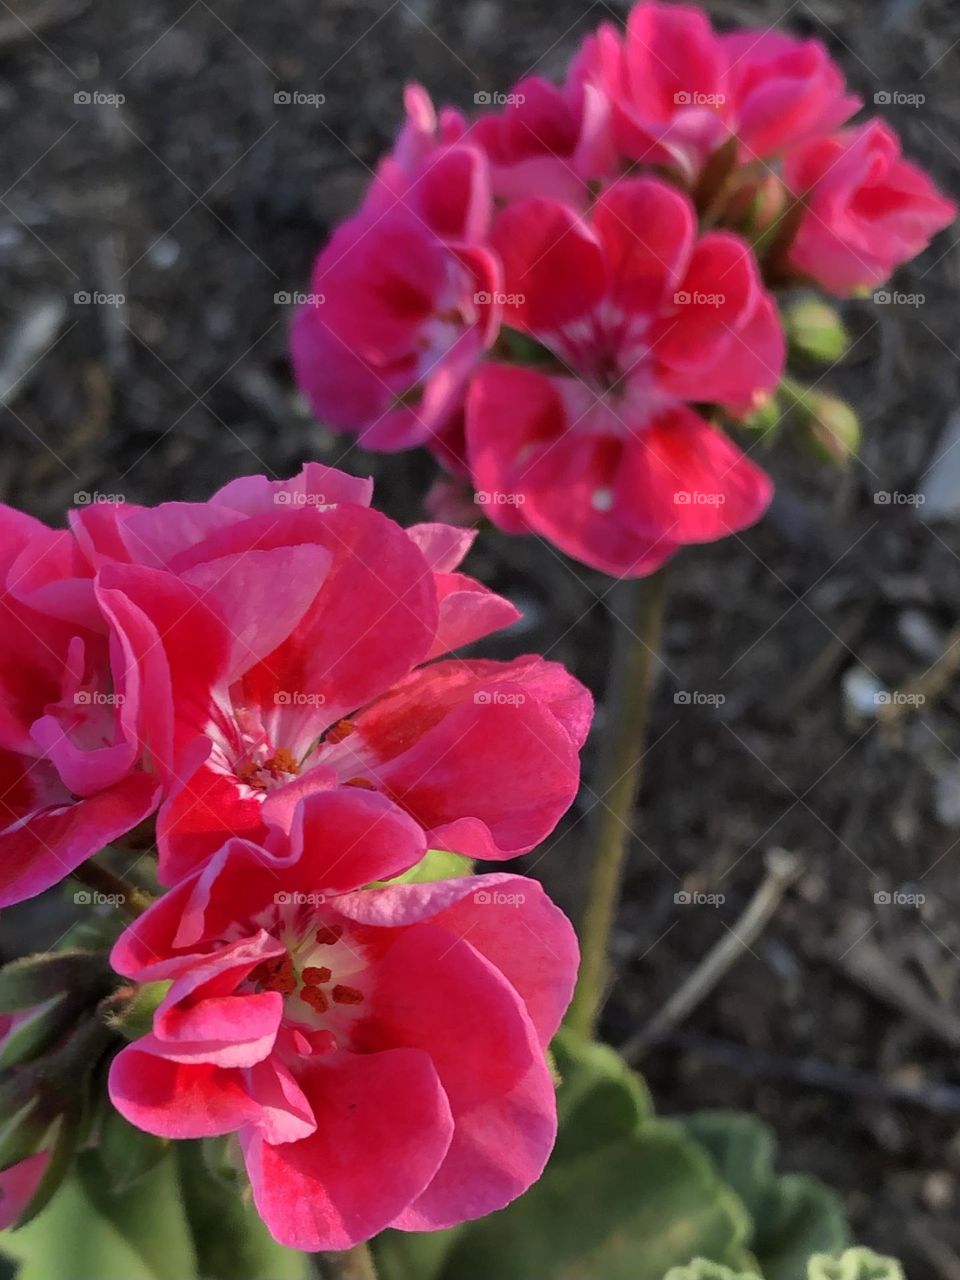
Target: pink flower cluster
[269, 673]
[547, 296]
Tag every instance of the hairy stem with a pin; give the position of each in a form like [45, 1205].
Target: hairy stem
[128, 897]
[639, 612]
[354, 1264]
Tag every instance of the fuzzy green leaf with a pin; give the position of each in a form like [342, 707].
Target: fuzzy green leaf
[794, 1216]
[854, 1264]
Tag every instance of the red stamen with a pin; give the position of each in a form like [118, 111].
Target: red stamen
[365, 783]
[315, 998]
[313, 975]
[346, 995]
[276, 974]
[327, 934]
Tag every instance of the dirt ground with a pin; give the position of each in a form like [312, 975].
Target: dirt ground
[199, 197]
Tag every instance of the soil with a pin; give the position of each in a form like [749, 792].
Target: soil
[200, 197]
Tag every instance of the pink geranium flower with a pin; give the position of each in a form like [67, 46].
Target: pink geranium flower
[80, 676]
[380, 1052]
[604, 456]
[305, 636]
[404, 296]
[867, 210]
[678, 90]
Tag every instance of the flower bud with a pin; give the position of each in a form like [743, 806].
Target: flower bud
[766, 417]
[134, 1007]
[831, 427]
[815, 330]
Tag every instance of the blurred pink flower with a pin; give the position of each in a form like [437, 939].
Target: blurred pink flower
[867, 210]
[603, 455]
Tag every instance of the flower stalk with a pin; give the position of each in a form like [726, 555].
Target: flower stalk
[355, 1264]
[640, 610]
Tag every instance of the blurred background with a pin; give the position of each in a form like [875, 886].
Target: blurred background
[166, 180]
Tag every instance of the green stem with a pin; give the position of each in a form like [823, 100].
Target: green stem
[355, 1264]
[639, 622]
[129, 898]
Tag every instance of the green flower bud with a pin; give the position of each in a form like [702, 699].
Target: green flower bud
[815, 330]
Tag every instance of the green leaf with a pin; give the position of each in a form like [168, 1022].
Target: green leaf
[35, 979]
[72, 1241]
[794, 1215]
[149, 1216]
[801, 1216]
[87, 1232]
[599, 1099]
[127, 1153]
[854, 1264]
[34, 1033]
[230, 1240]
[701, 1269]
[628, 1210]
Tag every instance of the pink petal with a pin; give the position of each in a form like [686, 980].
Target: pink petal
[316, 1193]
[484, 766]
[648, 230]
[688, 477]
[499, 1150]
[48, 844]
[552, 265]
[316, 485]
[18, 1185]
[508, 919]
[347, 838]
[176, 1099]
